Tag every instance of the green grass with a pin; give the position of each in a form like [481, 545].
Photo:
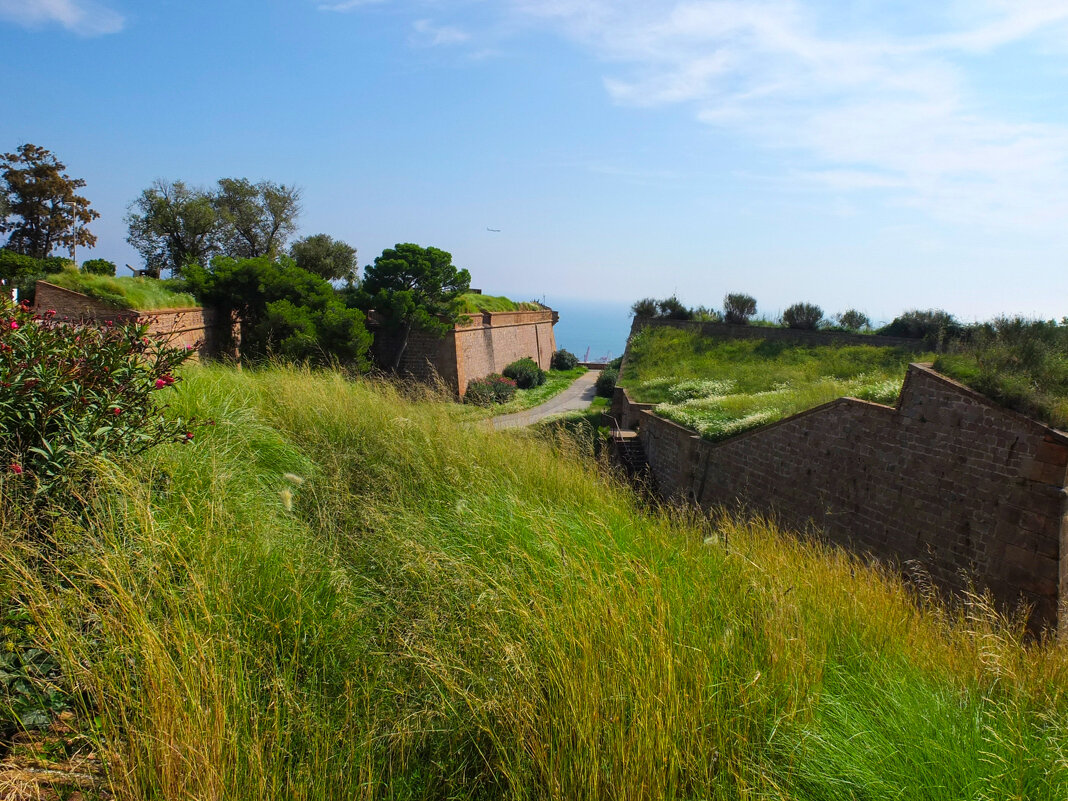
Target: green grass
[473, 302]
[338, 591]
[722, 387]
[127, 292]
[556, 381]
[1022, 364]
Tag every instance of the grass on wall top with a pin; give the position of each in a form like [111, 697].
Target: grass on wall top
[723, 387]
[472, 302]
[337, 591]
[125, 292]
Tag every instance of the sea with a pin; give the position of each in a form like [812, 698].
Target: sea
[595, 332]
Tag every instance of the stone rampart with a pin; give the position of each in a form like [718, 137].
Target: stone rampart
[486, 343]
[949, 481]
[194, 327]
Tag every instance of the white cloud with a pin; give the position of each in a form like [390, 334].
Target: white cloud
[347, 5]
[83, 17]
[870, 111]
[431, 34]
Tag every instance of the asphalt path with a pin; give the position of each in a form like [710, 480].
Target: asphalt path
[575, 398]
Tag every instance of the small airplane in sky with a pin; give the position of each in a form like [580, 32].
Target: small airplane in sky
[495, 230]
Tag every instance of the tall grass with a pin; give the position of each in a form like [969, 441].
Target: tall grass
[723, 387]
[125, 292]
[473, 302]
[338, 592]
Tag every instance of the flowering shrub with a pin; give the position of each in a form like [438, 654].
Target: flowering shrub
[494, 388]
[526, 373]
[68, 391]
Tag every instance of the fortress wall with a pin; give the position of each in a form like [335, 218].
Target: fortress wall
[947, 480]
[187, 327]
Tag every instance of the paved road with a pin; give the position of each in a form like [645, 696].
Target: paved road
[575, 398]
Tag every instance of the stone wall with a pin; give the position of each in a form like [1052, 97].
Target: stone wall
[193, 327]
[487, 343]
[947, 480]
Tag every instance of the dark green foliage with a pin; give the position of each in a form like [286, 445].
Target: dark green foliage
[526, 373]
[804, 316]
[325, 256]
[672, 309]
[42, 211]
[646, 307]
[1020, 363]
[494, 388]
[283, 310]
[30, 677]
[67, 394]
[738, 308]
[564, 360]
[415, 287]
[606, 382]
[98, 267]
[665, 309]
[853, 320]
[934, 326]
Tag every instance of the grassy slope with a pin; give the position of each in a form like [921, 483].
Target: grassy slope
[449, 612]
[722, 387]
[126, 292]
[472, 302]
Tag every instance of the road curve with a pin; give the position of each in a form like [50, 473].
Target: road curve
[575, 398]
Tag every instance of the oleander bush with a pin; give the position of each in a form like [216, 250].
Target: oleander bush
[69, 393]
[803, 316]
[525, 372]
[606, 382]
[493, 388]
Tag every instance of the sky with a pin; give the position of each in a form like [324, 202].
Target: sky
[871, 155]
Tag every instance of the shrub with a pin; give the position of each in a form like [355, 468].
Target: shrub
[606, 382]
[68, 393]
[494, 388]
[804, 316]
[705, 315]
[738, 308]
[564, 360]
[673, 309]
[526, 373]
[98, 267]
[646, 307]
[14, 266]
[853, 320]
[934, 326]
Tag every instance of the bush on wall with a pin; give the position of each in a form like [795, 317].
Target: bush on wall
[564, 360]
[606, 382]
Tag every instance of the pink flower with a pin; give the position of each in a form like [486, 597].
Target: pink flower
[50, 312]
[16, 469]
[14, 325]
[116, 411]
[160, 383]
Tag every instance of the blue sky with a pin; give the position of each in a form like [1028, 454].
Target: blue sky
[878, 155]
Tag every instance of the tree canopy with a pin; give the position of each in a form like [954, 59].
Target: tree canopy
[325, 256]
[256, 219]
[415, 287]
[41, 210]
[172, 226]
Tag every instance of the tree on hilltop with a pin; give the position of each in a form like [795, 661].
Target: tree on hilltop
[41, 209]
[738, 308]
[415, 287]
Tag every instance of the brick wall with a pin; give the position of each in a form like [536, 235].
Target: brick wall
[487, 343]
[196, 327]
[947, 480]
